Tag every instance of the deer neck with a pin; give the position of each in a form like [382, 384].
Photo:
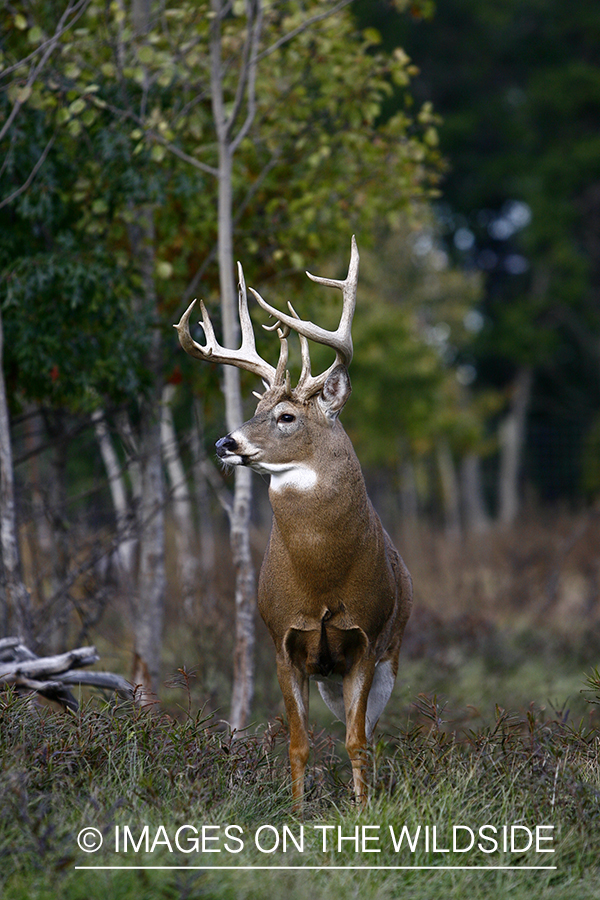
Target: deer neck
[323, 493]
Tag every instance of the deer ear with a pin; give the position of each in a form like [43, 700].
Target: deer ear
[336, 391]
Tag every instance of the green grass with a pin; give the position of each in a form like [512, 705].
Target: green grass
[109, 767]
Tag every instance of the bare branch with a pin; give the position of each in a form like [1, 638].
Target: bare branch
[222, 494]
[50, 665]
[50, 46]
[286, 38]
[50, 675]
[168, 145]
[79, 8]
[32, 174]
[247, 77]
[172, 148]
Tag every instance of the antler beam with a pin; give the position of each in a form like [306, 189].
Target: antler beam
[246, 357]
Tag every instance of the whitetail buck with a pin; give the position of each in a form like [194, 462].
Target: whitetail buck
[333, 592]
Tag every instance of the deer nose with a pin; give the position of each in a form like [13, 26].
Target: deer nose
[226, 445]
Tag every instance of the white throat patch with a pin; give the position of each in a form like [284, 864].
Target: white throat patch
[283, 475]
[290, 475]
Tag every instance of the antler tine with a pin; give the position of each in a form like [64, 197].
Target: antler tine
[185, 338]
[304, 353]
[339, 340]
[248, 338]
[245, 358]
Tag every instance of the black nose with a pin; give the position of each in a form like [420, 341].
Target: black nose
[226, 445]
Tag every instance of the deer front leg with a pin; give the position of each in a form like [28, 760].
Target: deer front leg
[294, 687]
[357, 684]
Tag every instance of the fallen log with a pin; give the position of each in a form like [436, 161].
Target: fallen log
[51, 675]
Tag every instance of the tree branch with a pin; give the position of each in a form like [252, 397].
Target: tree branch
[50, 45]
[286, 38]
[52, 40]
[49, 675]
[32, 174]
[247, 77]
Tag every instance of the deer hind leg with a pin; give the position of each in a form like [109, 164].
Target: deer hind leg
[384, 679]
[357, 685]
[294, 687]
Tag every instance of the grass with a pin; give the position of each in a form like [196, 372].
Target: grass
[110, 767]
[488, 725]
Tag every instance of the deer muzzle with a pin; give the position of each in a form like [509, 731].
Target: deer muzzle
[227, 447]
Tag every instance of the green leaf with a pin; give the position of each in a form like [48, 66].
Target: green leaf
[34, 35]
[146, 54]
[77, 106]
[372, 35]
[164, 269]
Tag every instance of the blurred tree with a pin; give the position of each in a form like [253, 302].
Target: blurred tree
[518, 87]
[411, 337]
[15, 602]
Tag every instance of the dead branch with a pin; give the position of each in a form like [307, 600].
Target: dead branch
[50, 675]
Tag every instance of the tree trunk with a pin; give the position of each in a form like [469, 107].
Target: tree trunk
[17, 613]
[245, 589]
[475, 513]
[125, 551]
[205, 523]
[181, 504]
[512, 438]
[40, 538]
[245, 581]
[409, 495]
[34, 429]
[151, 586]
[132, 455]
[151, 583]
[450, 490]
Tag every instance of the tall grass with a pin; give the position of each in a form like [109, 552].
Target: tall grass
[112, 766]
[488, 725]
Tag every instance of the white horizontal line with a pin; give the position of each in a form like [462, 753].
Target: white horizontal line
[316, 868]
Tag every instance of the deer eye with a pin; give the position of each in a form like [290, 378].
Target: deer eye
[286, 419]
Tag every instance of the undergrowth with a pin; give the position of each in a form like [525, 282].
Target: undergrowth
[116, 767]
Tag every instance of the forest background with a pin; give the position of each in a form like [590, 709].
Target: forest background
[144, 148]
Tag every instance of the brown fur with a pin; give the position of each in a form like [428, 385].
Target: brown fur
[333, 591]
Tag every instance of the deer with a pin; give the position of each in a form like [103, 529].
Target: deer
[333, 591]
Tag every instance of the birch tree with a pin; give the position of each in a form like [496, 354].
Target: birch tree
[512, 434]
[17, 611]
[231, 126]
[181, 504]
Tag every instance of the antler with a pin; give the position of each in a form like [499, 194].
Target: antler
[246, 357]
[340, 339]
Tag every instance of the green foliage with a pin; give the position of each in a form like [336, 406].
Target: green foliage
[131, 127]
[409, 334]
[399, 381]
[71, 334]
